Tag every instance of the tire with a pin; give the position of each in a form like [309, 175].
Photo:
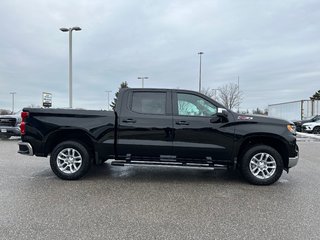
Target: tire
[316, 130]
[70, 160]
[261, 165]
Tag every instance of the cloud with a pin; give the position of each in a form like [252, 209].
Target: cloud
[272, 45]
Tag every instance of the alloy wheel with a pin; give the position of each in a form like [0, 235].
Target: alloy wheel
[69, 160]
[262, 165]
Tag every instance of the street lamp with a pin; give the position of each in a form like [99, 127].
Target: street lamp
[12, 93]
[200, 53]
[70, 59]
[108, 92]
[143, 78]
[238, 92]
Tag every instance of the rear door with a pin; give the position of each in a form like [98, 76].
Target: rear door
[195, 135]
[145, 124]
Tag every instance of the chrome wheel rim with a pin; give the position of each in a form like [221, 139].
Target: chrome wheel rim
[263, 165]
[69, 160]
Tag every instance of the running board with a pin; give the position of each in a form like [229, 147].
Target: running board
[168, 164]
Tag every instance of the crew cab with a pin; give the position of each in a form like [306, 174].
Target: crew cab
[160, 127]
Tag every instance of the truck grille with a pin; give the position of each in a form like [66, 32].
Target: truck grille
[8, 122]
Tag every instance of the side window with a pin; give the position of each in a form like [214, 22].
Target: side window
[149, 102]
[192, 105]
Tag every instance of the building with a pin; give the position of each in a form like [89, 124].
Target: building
[296, 110]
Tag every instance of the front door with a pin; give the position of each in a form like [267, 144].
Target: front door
[195, 135]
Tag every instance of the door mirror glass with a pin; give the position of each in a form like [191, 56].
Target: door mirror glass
[222, 112]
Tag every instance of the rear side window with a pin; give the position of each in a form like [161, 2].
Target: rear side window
[149, 102]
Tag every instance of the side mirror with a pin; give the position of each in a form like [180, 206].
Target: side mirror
[222, 113]
[220, 116]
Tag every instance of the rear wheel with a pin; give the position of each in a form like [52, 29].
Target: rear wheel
[261, 165]
[316, 130]
[70, 160]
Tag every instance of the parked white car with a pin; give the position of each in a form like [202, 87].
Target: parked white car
[311, 127]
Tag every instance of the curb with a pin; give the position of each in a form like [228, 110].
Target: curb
[308, 135]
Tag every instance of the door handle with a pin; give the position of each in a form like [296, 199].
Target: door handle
[129, 120]
[182, 123]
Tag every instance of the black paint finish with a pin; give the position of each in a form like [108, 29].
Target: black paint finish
[128, 134]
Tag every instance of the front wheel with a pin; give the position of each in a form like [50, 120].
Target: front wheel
[261, 165]
[70, 160]
[316, 130]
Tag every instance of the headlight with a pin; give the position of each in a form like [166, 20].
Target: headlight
[307, 127]
[291, 128]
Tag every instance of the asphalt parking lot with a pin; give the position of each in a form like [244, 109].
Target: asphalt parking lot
[156, 203]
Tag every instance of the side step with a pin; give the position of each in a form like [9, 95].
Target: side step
[168, 164]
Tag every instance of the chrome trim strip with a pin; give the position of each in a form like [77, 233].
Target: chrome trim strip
[293, 161]
[28, 145]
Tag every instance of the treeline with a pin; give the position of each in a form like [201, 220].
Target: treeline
[4, 112]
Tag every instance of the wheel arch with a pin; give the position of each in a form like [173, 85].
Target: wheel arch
[273, 141]
[62, 135]
[316, 129]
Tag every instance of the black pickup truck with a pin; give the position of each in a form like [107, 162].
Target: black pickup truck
[160, 127]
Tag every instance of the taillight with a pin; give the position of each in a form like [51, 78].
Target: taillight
[24, 116]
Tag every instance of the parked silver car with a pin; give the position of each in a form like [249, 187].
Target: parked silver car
[311, 127]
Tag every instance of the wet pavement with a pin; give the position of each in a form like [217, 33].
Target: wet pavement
[156, 202]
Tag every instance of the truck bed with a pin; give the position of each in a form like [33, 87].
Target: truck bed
[47, 126]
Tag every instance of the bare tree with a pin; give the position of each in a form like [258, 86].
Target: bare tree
[230, 96]
[209, 92]
[258, 111]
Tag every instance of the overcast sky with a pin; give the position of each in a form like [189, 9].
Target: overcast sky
[274, 46]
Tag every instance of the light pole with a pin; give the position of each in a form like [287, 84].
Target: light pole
[238, 93]
[70, 59]
[12, 93]
[108, 92]
[143, 78]
[200, 54]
